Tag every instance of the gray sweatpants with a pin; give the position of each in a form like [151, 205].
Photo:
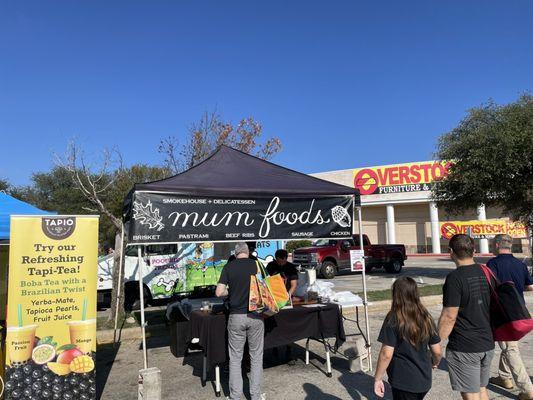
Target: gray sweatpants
[240, 328]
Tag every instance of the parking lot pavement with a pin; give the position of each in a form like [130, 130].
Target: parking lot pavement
[430, 271]
[118, 372]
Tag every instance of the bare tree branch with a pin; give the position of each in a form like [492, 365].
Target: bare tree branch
[211, 132]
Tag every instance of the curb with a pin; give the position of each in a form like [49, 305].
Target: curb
[384, 305]
[443, 255]
[106, 336]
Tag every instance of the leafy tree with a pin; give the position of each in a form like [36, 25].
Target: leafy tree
[52, 191]
[125, 178]
[55, 191]
[4, 185]
[292, 245]
[210, 132]
[492, 153]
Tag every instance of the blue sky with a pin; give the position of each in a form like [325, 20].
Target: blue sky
[341, 83]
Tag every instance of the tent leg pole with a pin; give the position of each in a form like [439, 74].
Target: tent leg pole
[119, 282]
[307, 352]
[217, 381]
[141, 297]
[367, 324]
[204, 369]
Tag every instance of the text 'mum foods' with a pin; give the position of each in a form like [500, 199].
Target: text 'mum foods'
[161, 218]
[400, 178]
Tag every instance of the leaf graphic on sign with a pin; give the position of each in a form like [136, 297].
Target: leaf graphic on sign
[146, 215]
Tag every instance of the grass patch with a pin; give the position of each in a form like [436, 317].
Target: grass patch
[429, 290]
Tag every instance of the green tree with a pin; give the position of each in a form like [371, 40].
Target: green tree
[52, 191]
[492, 154]
[292, 245]
[55, 191]
[4, 185]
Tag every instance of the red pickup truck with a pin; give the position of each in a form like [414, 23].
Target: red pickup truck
[331, 256]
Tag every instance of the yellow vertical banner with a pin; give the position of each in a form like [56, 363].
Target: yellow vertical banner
[51, 310]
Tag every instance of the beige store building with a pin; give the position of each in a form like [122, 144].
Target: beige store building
[397, 206]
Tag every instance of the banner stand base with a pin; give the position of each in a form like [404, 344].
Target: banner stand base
[150, 384]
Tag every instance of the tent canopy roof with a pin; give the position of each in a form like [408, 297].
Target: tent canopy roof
[229, 172]
[11, 206]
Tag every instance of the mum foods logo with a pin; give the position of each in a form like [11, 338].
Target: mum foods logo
[400, 178]
[58, 228]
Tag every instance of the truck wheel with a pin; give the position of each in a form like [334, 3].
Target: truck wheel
[328, 270]
[394, 267]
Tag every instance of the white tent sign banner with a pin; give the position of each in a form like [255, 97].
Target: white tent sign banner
[357, 260]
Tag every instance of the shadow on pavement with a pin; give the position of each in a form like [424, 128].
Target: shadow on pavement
[360, 385]
[156, 342]
[105, 357]
[501, 391]
[313, 392]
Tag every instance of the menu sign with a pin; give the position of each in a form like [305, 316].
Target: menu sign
[51, 320]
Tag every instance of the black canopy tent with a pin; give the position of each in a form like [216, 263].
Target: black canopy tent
[230, 172]
[234, 196]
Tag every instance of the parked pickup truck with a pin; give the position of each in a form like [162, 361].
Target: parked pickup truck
[331, 256]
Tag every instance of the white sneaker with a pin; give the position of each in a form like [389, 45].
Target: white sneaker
[263, 396]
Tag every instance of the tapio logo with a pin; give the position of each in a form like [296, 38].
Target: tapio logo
[399, 178]
[58, 228]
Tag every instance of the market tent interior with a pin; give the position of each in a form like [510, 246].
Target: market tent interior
[229, 174]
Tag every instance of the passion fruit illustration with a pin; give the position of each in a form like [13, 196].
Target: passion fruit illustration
[82, 364]
[43, 353]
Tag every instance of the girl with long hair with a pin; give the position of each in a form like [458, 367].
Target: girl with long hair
[410, 345]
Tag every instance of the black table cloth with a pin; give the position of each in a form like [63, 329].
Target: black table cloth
[288, 326]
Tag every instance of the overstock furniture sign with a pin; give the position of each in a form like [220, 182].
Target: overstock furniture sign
[161, 218]
[399, 178]
[51, 322]
[483, 229]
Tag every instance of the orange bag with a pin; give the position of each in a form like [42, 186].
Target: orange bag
[254, 300]
[260, 299]
[278, 290]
